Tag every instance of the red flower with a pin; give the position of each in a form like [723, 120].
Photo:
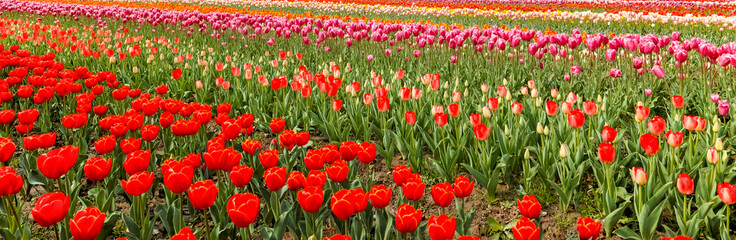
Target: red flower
[400, 174]
[685, 184]
[454, 109]
[315, 178]
[50, 209]
[529, 206]
[184, 234]
[656, 126]
[314, 160]
[411, 117]
[341, 204]
[674, 139]
[727, 193]
[525, 229]
[72, 121]
[57, 162]
[481, 132]
[7, 148]
[678, 101]
[359, 199]
[87, 224]
[130, 145]
[97, 169]
[277, 125]
[138, 184]
[250, 146]
[269, 158]
[641, 113]
[241, 175]
[287, 138]
[380, 196]
[649, 143]
[177, 176]
[590, 108]
[576, 119]
[383, 104]
[413, 188]
[7, 116]
[588, 228]
[606, 152]
[551, 107]
[149, 132]
[407, 218]
[348, 150]
[440, 119]
[302, 138]
[137, 161]
[338, 237]
[222, 159]
[336, 105]
[176, 74]
[193, 159]
[165, 119]
[243, 209]
[275, 178]
[442, 227]
[608, 134]
[462, 187]
[366, 152]
[202, 194]
[99, 109]
[442, 194]
[231, 129]
[295, 181]
[338, 171]
[677, 238]
[28, 116]
[163, 89]
[310, 199]
[12, 183]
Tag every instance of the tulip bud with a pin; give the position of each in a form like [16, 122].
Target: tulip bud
[535, 93]
[712, 156]
[554, 93]
[603, 107]
[719, 144]
[724, 156]
[508, 97]
[538, 102]
[506, 130]
[527, 154]
[505, 82]
[563, 151]
[540, 128]
[135, 69]
[716, 127]
[599, 98]
[484, 88]
[546, 130]
[486, 112]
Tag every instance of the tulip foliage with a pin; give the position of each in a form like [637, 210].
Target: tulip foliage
[298, 119]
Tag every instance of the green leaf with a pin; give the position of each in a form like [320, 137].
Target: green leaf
[627, 233]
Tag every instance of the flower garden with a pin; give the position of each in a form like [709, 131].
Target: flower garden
[393, 119]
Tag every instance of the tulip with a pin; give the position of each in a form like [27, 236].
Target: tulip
[137, 161]
[529, 206]
[516, 108]
[727, 193]
[341, 204]
[241, 175]
[685, 184]
[269, 158]
[87, 224]
[12, 183]
[588, 228]
[57, 162]
[441, 227]
[576, 119]
[712, 156]
[7, 149]
[277, 125]
[184, 234]
[202, 194]
[481, 132]
[641, 113]
[295, 181]
[336, 105]
[676, 238]
[411, 117]
[338, 171]
[222, 159]
[608, 134]
[310, 199]
[462, 187]
[97, 169]
[138, 183]
[366, 152]
[380, 196]
[639, 176]
[551, 107]
[590, 108]
[407, 218]
[177, 176]
[50, 209]
[243, 209]
[442, 194]
[656, 126]
[658, 71]
[674, 139]
[525, 229]
[275, 178]
[606, 153]
[130, 145]
[413, 188]
[723, 107]
[563, 151]
[678, 101]
[649, 143]
[440, 119]
[400, 174]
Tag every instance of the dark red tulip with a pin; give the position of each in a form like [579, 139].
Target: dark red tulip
[87, 224]
[407, 218]
[97, 169]
[413, 188]
[380, 196]
[12, 183]
[608, 134]
[138, 184]
[462, 187]
[310, 199]
[441, 227]
[269, 158]
[243, 209]
[57, 162]
[649, 143]
[275, 178]
[525, 229]
[277, 125]
[241, 175]
[7, 149]
[529, 206]
[588, 228]
[606, 152]
[50, 209]
[338, 171]
[341, 204]
[202, 194]
[576, 119]
[137, 161]
[177, 176]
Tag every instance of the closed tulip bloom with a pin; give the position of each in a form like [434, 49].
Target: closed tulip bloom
[138, 184]
[525, 229]
[380, 196]
[269, 158]
[149, 132]
[57, 162]
[551, 107]
[410, 117]
[529, 206]
[241, 175]
[341, 204]
[12, 183]
[202, 194]
[348, 150]
[674, 139]
[656, 126]
[50, 209]
[302, 138]
[130, 145]
[277, 125]
[590, 108]
[639, 176]
[336, 105]
[338, 171]
[649, 143]
[441, 227]
[97, 169]
[608, 134]
[481, 132]
[275, 178]
[250, 146]
[468, 238]
[413, 188]
[400, 174]
[222, 159]
[712, 156]
[366, 152]
[678, 101]
[7, 148]
[727, 193]
[576, 119]
[641, 113]
[359, 199]
[454, 109]
[137, 161]
[442, 194]
[462, 187]
[295, 181]
[87, 224]
[316, 178]
[243, 209]
[177, 176]
[338, 237]
[685, 184]
[516, 108]
[310, 199]
[676, 238]
[28, 116]
[184, 234]
[407, 218]
[440, 119]
[606, 152]
[588, 228]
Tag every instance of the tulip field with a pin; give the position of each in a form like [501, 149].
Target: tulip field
[365, 119]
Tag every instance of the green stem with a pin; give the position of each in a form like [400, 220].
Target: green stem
[206, 224]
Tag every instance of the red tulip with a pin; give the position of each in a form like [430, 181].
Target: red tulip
[28, 116]
[588, 229]
[295, 181]
[413, 188]
[243, 209]
[441, 119]
[50, 209]
[677, 238]
[649, 143]
[690, 122]
[475, 119]
[57, 162]
[269, 158]
[462, 187]
[193, 159]
[366, 152]
[407, 218]
[338, 171]
[7, 149]
[341, 204]
[481, 132]
[202, 194]
[336, 105]
[87, 224]
[685, 184]
[608, 134]
[359, 199]
[656, 126]
[137, 161]
[468, 238]
[310, 199]
[97, 169]
[7, 116]
[441, 227]
[590, 108]
[606, 152]
[727, 193]
[149, 132]
[275, 178]
[383, 104]
[442, 194]
[576, 119]
[529, 206]
[12, 183]
[639, 176]
[222, 159]
[176, 74]
[138, 184]
[130, 145]
[492, 103]
[454, 109]
[678, 101]
[177, 176]
[349, 150]
[551, 107]
[277, 125]
[250, 146]
[525, 229]
[184, 234]
[302, 138]
[401, 173]
[162, 89]
[674, 139]
[241, 175]
[338, 237]
[314, 160]
[641, 113]
[380, 196]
